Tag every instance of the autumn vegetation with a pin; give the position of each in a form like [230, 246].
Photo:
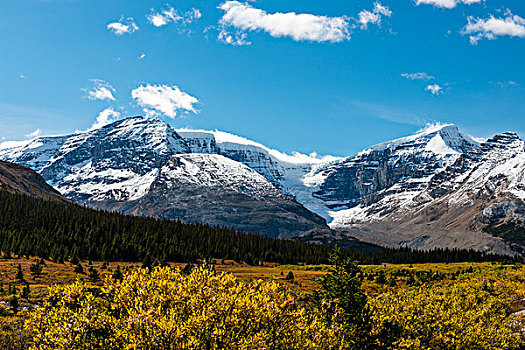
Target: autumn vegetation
[54, 295]
[212, 306]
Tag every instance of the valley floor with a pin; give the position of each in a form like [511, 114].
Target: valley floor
[454, 301]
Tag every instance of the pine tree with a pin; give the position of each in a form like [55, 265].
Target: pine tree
[19, 273]
[13, 302]
[25, 292]
[94, 276]
[79, 268]
[36, 270]
[340, 292]
[117, 274]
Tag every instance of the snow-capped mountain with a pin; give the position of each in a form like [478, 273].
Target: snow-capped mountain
[214, 189]
[393, 173]
[122, 166]
[436, 188]
[429, 190]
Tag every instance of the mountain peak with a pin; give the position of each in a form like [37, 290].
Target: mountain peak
[437, 138]
[436, 127]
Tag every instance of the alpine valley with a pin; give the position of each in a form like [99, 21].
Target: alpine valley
[436, 188]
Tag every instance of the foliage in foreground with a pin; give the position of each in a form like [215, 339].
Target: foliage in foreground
[467, 315]
[165, 309]
[200, 309]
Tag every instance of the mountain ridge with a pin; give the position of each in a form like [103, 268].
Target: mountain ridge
[21, 179]
[395, 186]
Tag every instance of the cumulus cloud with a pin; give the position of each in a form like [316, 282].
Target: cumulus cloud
[434, 89]
[164, 99]
[374, 16]
[34, 134]
[101, 90]
[123, 26]
[447, 4]
[492, 27]
[170, 15]
[418, 76]
[300, 27]
[107, 116]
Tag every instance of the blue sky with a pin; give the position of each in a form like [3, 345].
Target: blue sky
[327, 76]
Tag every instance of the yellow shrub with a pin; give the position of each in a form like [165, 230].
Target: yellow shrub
[470, 314]
[165, 309]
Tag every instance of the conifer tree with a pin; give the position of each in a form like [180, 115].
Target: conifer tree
[13, 302]
[19, 273]
[117, 274]
[94, 276]
[25, 292]
[79, 268]
[36, 269]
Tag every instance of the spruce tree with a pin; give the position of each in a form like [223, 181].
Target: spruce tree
[25, 292]
[19, 273]
[13, 302]
[79, 268]
[94, 276]
[36, 270]
[290, 276]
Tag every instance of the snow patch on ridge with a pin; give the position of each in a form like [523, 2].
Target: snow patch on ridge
[438, 146]
[235, 141]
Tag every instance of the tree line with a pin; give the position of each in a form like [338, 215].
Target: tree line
[61, 231]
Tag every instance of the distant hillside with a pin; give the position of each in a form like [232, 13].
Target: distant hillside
[18, 178]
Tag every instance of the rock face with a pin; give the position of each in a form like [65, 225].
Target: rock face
[144, 167]
[17, 178]
[436, 188]
[450, 205]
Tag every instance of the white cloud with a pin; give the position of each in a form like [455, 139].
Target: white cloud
[123, 26]
[506, 84]
[418, 76]
[236, 39]
[164, 99]
[434, 89]
[34, 134]
[170, 15]
[447, 4]
[101, 90]
[193, 14]
[157, 19]
[299, 27]
[492, 27]
[373, 17]
[107, 116]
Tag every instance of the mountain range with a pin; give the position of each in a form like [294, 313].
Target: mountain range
[436, 188]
